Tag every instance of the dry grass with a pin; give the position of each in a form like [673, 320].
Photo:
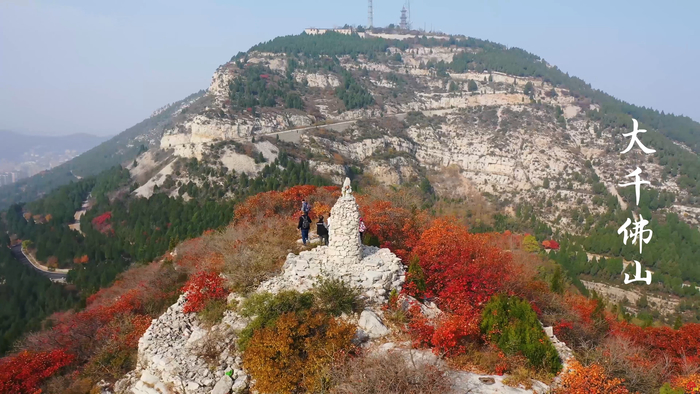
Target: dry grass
[254, 252]
[70, 385]
[212, 345]
[403, 197]
[519, 377]
[389, 373]
[622, 359]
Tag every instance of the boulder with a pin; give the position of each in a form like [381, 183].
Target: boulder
[372, 324]
[223, 386]
[240, 384]
[360, 337]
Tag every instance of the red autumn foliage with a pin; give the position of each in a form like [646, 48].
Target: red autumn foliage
[506, 240]
[101, 223]
[99, 220]
[75, 332]
[420, 328]
[590, 379]
[24, 372]
[397, 228]
[202, 287]
[462, 270]
[286, 203]
[550, 244]
[589, 310]
[81, 260]
[689, 383]
[450, 333]
[681, 347]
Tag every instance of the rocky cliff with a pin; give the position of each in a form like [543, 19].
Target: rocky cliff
[517, 139]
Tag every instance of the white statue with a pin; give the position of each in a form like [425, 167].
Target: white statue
[347, 189]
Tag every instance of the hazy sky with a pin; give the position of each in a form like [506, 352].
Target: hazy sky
[102, 66]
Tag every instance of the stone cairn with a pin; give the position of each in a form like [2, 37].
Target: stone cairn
[375, 271]
[344, 246]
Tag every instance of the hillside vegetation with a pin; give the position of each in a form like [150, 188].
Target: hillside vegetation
[482, 301]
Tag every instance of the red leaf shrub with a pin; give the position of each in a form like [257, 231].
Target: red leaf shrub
[286, 203]
[202, 287]
[99, 220]
[398, 229]
[590, 379]
[689, 383]
[420, 328]
[24, 372]
[451, 332]
[462, 270]
[681, 347]
[101, 223]
[550, 244]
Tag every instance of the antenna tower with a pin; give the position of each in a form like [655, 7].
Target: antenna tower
[408, 3]
[370, 14]
[404, 22]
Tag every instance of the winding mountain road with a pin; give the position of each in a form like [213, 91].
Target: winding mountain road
[19, 256]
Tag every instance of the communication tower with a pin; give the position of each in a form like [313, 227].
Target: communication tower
[404, 19]
[408, 6]
[370, 15]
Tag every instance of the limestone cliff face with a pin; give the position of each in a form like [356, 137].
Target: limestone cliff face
[502, 141]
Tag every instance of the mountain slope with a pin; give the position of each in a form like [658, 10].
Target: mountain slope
[464, 118]
[448, 138]
[120, 149]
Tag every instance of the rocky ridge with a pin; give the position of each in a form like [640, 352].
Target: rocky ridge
[180, 356]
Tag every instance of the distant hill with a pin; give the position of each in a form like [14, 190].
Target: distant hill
[17, 147]
[120, 149]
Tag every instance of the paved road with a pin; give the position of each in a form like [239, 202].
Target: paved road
[294, 135]
[19, 256]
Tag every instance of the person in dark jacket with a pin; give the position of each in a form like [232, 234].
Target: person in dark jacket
[321, 230]
[304, 225]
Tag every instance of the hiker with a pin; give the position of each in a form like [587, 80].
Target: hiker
[363, 228]
[304, 225]
[321, 230]
[305, 207]
[328, 224]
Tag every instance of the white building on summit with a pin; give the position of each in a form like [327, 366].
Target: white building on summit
[312, 31]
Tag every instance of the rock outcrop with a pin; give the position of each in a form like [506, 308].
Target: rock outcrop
[178, 355]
